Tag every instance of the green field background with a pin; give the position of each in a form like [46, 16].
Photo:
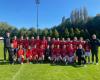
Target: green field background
[47, 71]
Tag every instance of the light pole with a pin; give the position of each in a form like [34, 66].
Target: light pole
[37, 5]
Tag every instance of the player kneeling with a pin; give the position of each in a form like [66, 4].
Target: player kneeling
[87, 49]
[53, 56]
[20, 55]
[58, 57]
[41, 54]
[80, 53]
[29, 55]
[64, 54]
[48, 54]
[71, 54]
[35, 54]
[12, 57]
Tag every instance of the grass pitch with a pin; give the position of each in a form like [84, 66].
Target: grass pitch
[47, 71]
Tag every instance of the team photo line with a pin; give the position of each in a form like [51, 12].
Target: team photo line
[51, 50]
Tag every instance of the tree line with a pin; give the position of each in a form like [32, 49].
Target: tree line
[79, 24]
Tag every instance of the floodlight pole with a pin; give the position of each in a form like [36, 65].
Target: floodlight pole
[37, 6]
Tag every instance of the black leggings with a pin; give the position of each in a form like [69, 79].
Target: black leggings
[95, 54]
[81, 60]
[5, 52]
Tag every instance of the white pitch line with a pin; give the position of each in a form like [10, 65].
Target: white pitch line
[17, 73]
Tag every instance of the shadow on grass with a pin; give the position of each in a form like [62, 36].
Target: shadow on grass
[75, 65]
[4, 63]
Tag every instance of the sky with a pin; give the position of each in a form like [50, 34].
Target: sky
[22, 13]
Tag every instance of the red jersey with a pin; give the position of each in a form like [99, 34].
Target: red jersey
[34, 52]
[62, 43]
[15, 43]
[67, 43]
[26, 43]
[28, 53]
[87, 47]
[44, 43]
[82, 43]
[38, 43]
[20, 53]
[63, 52]
[53, 42]
[32, 42]
[57, 51]
[57, 43]
[40, 52]
[75, 44]
[53, 51]
[70, 51]
[21, 42]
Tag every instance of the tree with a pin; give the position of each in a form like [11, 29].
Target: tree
[72, 19]
[71, 32]
[66, 33]
[74, 16]
[79, 17]
[23, 32]
[82, 34]
[87, 34]
[4, 27]
[55, 33]
[77, 32]
[32, 32]
[45, 32]
[63, 19]
[50, 33]
[14, 32]
[85, 13]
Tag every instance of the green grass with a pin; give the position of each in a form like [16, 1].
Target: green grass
[47, 71]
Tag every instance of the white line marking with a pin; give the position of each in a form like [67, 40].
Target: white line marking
[17, 73]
